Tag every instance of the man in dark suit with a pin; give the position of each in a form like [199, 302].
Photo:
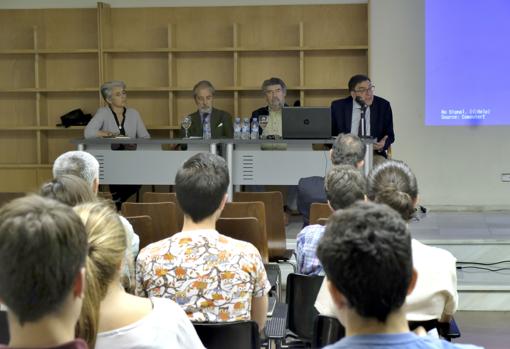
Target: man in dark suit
[221, 121]
[348, 149]
[346, 114]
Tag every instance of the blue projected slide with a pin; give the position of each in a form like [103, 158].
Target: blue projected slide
[467, 62]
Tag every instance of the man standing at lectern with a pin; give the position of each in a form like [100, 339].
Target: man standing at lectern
[346, 114]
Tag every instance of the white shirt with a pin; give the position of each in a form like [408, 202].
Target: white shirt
[435, 293]
[356, 116]
[166, 327]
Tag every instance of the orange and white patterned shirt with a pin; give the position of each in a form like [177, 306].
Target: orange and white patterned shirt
[211, 276]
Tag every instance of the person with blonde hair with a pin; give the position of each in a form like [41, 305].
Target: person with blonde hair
[111, 317]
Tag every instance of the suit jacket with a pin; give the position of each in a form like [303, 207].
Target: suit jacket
[261, 111]
[310, 190]
[221, 125]
[381, 119]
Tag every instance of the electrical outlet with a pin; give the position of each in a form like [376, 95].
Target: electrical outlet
[505, 177]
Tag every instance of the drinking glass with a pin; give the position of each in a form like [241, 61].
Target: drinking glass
[186, 124]
[263, 120]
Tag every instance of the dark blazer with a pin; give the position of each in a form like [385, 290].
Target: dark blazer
[381, 119]
[221, 125]
[261, 111]
[310, 190]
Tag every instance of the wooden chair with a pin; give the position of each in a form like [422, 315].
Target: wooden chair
[322, 221]
[6, 197]
[142, 225]
[319, 210]
[249, 209]
[106, 195]
[245, 229]
[275, 225]
[166, 197]
[163, 215]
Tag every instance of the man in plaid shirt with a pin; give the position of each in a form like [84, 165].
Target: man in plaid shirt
[344, 185]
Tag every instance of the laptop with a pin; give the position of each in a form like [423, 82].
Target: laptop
[306, 123]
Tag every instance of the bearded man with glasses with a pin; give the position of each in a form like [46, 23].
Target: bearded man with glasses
[346, 114]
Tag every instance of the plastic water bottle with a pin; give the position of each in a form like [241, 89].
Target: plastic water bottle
[255, 129]
[245, 130]
[237, 128]
[207, 128]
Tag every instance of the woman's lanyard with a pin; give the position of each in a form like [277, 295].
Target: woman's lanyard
[120, 126]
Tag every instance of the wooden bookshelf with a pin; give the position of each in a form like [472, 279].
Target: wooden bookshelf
[54, 60]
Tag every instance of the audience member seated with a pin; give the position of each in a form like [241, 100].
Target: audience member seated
[86, 166]
[43, 246]
[220, 120]
[112, 318]
[211, 276]
[344, 185]
[348, 149]
[435, 295]
[367, 256]
[68, 189]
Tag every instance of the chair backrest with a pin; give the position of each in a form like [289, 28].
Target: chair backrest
[275, 223]
[142, 225]
[164, 221]
[166, 197]
[322, 221]
[220, 335]
[4, 328]
[302, 291]
[106, 195]
[246, 229]
[6, 197]
[319, 210]
[326, 330]
[248, 209]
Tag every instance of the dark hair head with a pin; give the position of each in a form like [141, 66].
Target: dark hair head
[344, 186]
[274, 81]
[366, 254]
[43, 246]
[68, 189]
[348, 149]
[203, 84]
[394, 184]
[201, 184]
[356, 79]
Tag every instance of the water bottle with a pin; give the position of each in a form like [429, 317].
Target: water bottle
[237, 128]
[245, 130]
[207, 128]
[255, 129]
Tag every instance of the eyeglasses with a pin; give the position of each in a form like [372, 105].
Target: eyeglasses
[371, 88]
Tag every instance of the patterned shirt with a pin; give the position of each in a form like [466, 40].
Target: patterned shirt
[211, 276]
[306, 250]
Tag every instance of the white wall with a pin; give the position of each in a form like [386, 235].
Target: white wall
[459, 166]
